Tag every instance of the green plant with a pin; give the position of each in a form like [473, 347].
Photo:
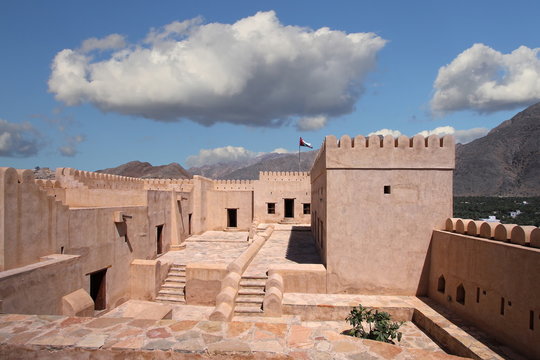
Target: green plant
[380, 326]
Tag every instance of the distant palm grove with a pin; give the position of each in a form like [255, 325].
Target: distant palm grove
[510, 210]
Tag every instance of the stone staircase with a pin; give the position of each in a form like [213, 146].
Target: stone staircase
[172, 290]
[250, 296]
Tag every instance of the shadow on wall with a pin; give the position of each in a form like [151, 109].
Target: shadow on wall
[301, 246]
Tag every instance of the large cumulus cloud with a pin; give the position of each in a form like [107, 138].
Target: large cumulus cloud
[255, 72]
[485, 80]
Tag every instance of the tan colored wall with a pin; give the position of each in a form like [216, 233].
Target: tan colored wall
[376, 243]
[203, 282]
[274, 187]
[34, 224]
[301, 278]
[495, 270]
[39, 288]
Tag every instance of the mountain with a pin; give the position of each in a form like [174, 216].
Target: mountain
[246, 170]
[505, 162]
[221, 170]
[283, 162]
[146, 170]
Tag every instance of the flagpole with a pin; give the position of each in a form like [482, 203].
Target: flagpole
[298, 156]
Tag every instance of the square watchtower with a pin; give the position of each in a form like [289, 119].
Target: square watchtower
[375, 202]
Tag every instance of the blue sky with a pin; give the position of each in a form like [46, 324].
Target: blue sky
[157, 74]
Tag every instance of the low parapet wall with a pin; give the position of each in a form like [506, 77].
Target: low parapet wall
[511, 233]
[494, 285]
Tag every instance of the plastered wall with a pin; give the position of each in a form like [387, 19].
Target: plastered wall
[492, 284]
[376, 202]
[274, 187]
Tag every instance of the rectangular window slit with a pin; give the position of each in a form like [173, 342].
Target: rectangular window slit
[387, 189]
[477, 294]
[502, 306]
[531, 320]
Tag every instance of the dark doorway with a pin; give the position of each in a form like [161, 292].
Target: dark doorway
[189, 224]
[159, 239]
[289, 208]
[98, 289]
[231, 218]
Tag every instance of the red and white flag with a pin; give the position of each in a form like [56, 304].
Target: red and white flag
[305, 143]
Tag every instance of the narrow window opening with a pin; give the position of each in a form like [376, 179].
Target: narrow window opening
[460, 294]
[477, 294]
[441, 284]
[271, 208]
[502, 306]
[98, 289]
[531, 320]
[189, 224]
[387, 189]
[307, 209]
[159, 239]
[61, 250]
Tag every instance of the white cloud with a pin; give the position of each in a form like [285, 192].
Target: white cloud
[255, 72]
[220, 155]
[19, 140]
[485, 80]
[462, 136]
[111, 42]
[384, 132]
[311, 123]
[280, 151]
[70, 149]
[226, 154]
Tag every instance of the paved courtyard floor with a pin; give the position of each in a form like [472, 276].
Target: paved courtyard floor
[288, 244]
[209, 247]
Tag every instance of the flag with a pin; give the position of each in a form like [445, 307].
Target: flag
[305, 143]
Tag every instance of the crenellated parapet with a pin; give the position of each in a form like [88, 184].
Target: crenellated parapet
[387, 152]
[283, 175]
[235, 185]
[180, 185]
[73, 178]
[509, 233]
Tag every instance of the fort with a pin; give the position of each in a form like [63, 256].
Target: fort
[94, 265]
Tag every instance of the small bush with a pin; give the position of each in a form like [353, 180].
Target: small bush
[380, 326]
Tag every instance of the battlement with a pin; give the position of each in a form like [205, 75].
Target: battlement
[378, 152]
[73, 178]
[283, 175]
[509, 233]
[239, 185]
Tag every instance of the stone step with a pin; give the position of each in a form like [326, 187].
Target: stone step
[165, 291]
[253, 283]
[178, 266]
[177, 272]
[173, 285]
[178, 279]
[170, 299]
[255, 277]
[250, 300]
[250, 291]
[248, 310]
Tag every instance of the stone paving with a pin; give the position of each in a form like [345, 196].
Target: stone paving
[49, 337]
[288, 244]
[209, 247]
